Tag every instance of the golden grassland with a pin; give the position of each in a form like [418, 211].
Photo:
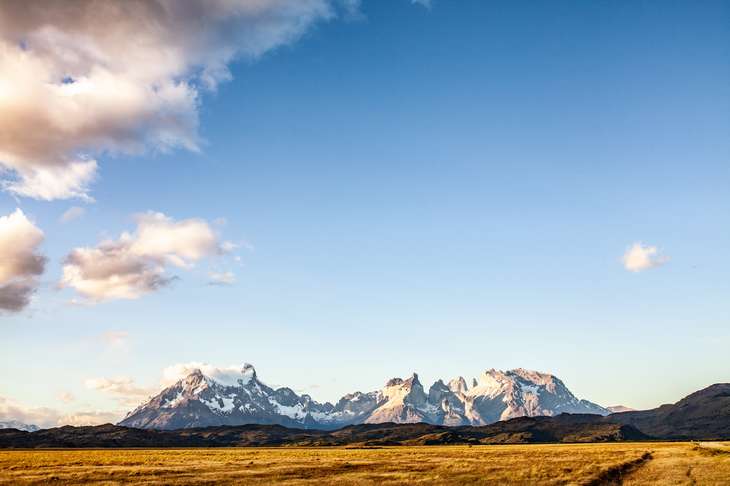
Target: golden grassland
[586, 464]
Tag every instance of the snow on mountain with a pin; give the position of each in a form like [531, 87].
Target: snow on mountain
[501, 395]
[620, 408]
[402, 401]
[200, 400]
[16, 424]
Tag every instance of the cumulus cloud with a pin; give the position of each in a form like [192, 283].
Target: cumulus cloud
[46, 417]
[227, 374]
[21, 263]
[72, 213]
[136, 263]
[122, 389]
[639, 257]
[84, 78]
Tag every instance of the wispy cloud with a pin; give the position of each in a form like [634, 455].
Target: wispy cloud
[221, 278]
[74, 212]
[639, 257]
[123, 389]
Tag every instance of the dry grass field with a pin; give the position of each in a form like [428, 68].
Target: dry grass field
[588, 464]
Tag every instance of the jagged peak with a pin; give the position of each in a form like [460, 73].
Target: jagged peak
[458, 385]
[229, 391]
[248, 369]
[394, 382]
[195, 373]
[227, 377]
[194, 378]
[532, 375]
[413, 380]
[400, 382]
[439, 385]
[492, 375]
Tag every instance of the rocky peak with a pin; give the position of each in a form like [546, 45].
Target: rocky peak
[234, 396]
[458, 385]
[248, 371]
[438, 393]
[195, 379]
[439, 385]
[413, 381]
[394, 382]
[407, 383]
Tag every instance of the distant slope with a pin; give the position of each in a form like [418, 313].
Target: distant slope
[202, 401]
[702, 415]
[564, 428]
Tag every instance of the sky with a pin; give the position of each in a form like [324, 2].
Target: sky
[341, 192]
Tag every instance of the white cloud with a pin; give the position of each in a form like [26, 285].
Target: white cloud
[226, 375]
[84, 78]
[135, 264]
[46, 417]
[49, 183]
[639, 257]
[72, 213]
[122, 389]
[178, 242]
[20, 264]
[222, 278]
[66, 397]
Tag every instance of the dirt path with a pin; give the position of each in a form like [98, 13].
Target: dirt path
[615, 475]
[683, 465]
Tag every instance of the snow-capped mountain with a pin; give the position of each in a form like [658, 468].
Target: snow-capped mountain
[201, 401]
[501, 395]
[15, 424]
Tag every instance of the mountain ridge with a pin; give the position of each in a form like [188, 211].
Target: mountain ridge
[562, 428]
[199, 400]
[707, 410]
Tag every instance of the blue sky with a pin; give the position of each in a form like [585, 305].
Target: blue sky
[439, 190]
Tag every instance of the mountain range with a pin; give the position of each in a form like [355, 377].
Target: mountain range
[199, 400]
[703, 415]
